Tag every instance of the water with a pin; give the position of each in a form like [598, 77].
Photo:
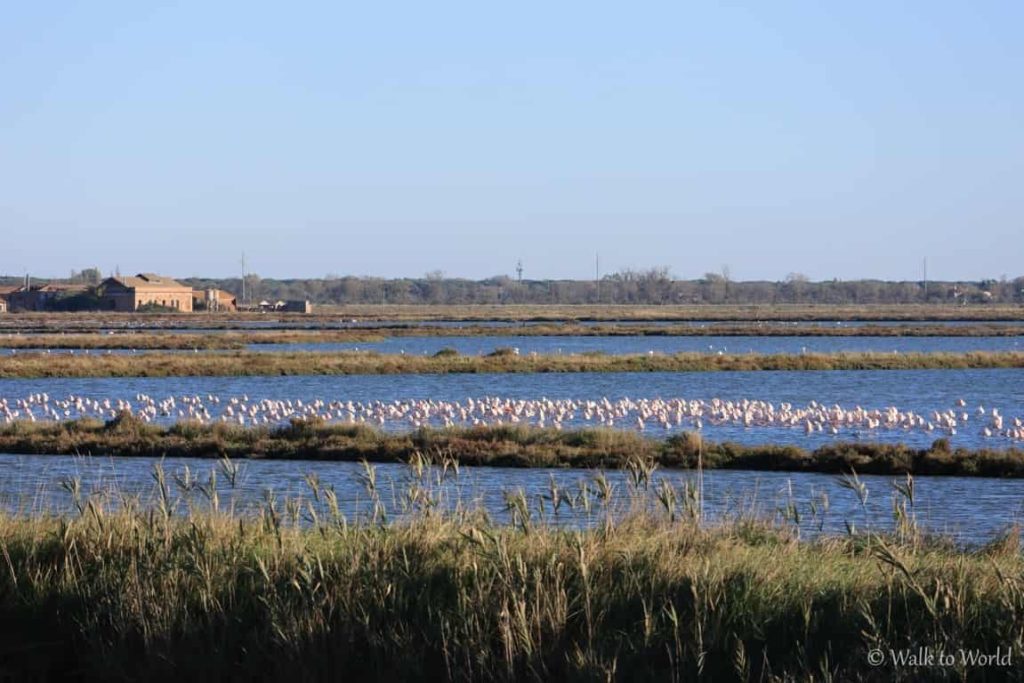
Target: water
[475, 346]
[922, 391]
[972, 510]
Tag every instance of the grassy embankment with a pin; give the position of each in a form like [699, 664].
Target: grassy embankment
[34, 365]
[517, 313]
[213, 341]
[178, 589]
[507, 446]
[771, 329]
[237, 340]
[721, 312]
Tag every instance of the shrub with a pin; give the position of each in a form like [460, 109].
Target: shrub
[125, 422]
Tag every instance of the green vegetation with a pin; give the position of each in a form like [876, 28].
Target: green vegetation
[653, 286]
[648, 287]
[501, 361]
[180, 588]
[509, 446]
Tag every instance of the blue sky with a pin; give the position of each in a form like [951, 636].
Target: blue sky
[833, 139]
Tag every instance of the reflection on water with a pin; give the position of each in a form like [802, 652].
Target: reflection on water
[971, 509]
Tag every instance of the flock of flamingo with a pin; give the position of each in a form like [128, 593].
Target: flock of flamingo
[656, 414]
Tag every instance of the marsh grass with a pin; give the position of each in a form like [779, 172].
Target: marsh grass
[180, 587]
[154, 340]
[328, 313]
[506, 445]
[242, 363]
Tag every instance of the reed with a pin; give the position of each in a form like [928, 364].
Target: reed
[32, 365]
[505, 446]
[172, 589]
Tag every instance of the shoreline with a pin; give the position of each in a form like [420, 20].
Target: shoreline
[506, 446]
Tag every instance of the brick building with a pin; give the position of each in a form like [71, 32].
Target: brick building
[41, 297]
[131, 293]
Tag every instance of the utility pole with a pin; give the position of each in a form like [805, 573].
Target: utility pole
[243, 278]
[924, 272]
[519, 271]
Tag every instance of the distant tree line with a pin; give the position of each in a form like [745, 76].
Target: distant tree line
[655, 286]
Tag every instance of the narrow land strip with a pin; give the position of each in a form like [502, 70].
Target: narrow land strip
[498, 446]
[37, 365]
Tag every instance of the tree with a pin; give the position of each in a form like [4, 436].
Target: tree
[796, 283]
[436, 292]
[251, 287]
[714, 288]
[87, 276]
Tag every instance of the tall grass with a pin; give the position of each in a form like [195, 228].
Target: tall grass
[161, 590]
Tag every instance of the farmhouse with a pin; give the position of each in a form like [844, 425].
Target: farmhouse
[145, 289]
[42, 297]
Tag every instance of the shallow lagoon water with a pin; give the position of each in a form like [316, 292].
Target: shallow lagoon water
[922, 391]
[480, 345]
[475, 346]
[972, 510]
